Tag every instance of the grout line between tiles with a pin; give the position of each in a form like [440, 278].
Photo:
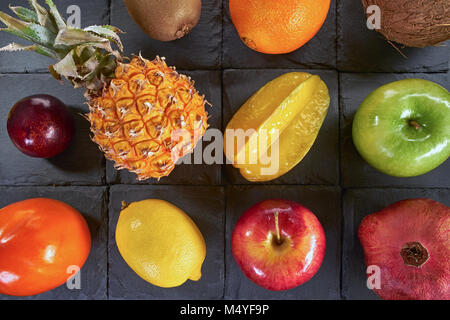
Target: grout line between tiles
[341, 194]
[341, 275]
[108, 15]
[221, 185]
[341, 191]
[265, 68]
[107, 196]
[222, 171]
[225, 196]
[222, 16]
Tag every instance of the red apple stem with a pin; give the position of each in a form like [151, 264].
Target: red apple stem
[277, 228]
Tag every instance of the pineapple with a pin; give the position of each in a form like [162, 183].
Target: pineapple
[144, 115]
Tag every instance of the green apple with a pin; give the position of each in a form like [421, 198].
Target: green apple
[403, 128]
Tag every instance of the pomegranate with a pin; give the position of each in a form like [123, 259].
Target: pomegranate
[409, 242]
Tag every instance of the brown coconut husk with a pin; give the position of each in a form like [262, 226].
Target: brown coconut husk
[414, 23]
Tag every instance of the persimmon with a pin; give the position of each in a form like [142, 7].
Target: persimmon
[278, 26]
[40, 240]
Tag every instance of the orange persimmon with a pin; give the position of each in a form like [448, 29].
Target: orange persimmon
[40, 240]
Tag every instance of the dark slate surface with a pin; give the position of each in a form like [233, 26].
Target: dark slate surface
[91, 203]
[343, 44]
[80, 164]
[363, 50]
[92, 13]
[355, 171]
[198, 50]
[357, 204]
[208, 83]
[205, 205]
[320, 165]
[319, 52]
[325, 203]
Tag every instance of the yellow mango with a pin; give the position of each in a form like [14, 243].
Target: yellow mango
[274, 130]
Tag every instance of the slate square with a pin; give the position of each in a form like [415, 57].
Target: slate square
[320, 165]
[80, 164]
[362, 50]
[90, 13]
[355, 171]
[200, 49]
[91, 203]
[319, 52]
[325, 203]
[206, 207]
[357, 204]
[194, 170]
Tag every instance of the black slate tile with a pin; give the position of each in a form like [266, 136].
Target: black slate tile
[319, 52]
[91, 203]
[362, 50]
[357, 204]
[91, 13]
[198, 50]
[324, 202]
[355, 171]
[205, 205]
[197, 172]
[320, 165]
[80, 164]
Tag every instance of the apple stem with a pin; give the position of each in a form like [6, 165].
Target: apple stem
[277, 228]
[415, 124]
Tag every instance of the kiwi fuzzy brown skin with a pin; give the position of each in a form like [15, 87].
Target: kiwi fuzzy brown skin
[165, 20]
[414, 23]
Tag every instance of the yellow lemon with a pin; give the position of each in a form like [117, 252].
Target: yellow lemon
[160, 243]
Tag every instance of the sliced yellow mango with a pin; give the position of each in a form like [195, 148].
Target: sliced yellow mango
[273, 131]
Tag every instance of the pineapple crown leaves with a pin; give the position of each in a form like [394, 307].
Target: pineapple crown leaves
[85, 56]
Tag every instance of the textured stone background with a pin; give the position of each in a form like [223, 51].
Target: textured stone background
[332, 180]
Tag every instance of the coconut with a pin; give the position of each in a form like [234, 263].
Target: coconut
[414, 23]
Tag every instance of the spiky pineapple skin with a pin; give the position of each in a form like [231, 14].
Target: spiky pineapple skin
[144, 115]
[147, 117]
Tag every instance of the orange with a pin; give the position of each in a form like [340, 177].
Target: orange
[278, 26]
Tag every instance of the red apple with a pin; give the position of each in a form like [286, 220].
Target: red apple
[278, 244]
[409, 242]
[40, 126]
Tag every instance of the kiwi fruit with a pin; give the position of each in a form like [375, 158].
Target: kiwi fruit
[414, 23]
[165, 20]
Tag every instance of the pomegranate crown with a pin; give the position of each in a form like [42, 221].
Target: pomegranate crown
[84, 56]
